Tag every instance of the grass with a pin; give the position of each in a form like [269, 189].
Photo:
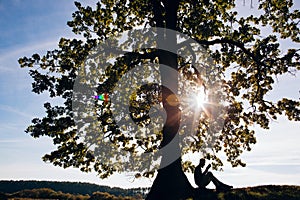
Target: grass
[265, 192]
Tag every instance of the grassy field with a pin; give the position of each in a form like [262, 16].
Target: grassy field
[268, 192]
[265, 192]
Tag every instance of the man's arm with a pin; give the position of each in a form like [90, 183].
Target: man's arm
[207, 168]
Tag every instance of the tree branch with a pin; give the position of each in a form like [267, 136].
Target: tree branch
[157, 12]
[228, 41]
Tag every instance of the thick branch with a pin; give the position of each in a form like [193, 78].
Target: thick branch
[157, 12]
[232, 42]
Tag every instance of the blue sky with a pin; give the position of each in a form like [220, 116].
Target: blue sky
[35, 26]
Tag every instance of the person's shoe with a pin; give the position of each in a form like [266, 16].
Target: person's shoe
[224, 188]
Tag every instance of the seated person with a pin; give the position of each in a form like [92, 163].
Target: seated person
[202, 179]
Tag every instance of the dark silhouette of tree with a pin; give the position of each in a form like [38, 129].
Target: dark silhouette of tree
[234, 43]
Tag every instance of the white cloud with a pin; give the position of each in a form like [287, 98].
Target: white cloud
[11, 126]
[29, 48]
[13, 54]
[15, 111]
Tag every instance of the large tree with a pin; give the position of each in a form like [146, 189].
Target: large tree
[244, 65]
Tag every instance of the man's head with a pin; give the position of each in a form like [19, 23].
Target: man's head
[202, 162]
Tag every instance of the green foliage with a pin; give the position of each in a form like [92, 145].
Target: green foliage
[235, 43]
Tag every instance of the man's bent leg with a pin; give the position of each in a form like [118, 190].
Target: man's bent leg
[219, 185]
[212, 178]
[206, 179]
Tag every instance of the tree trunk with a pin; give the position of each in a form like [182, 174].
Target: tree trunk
[170, 182]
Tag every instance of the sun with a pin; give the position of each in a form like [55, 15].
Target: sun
[200, 97]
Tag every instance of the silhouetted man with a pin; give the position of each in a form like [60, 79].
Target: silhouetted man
[202, 179]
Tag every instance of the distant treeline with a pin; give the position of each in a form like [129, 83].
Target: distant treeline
[75, 188]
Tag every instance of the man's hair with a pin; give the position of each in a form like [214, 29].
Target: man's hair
[202, 160]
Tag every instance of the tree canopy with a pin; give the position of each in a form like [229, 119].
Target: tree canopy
[243, 63]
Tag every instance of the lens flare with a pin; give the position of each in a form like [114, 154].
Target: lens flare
[200, 98]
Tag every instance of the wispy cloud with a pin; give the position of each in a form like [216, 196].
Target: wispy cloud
[16, 51]
[13, 110]
[10, 56]
[11, 141]
[12, 126]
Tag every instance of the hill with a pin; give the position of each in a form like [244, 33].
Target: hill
[264, 192]
[269, 192]
[67, 187]
[29, 190]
